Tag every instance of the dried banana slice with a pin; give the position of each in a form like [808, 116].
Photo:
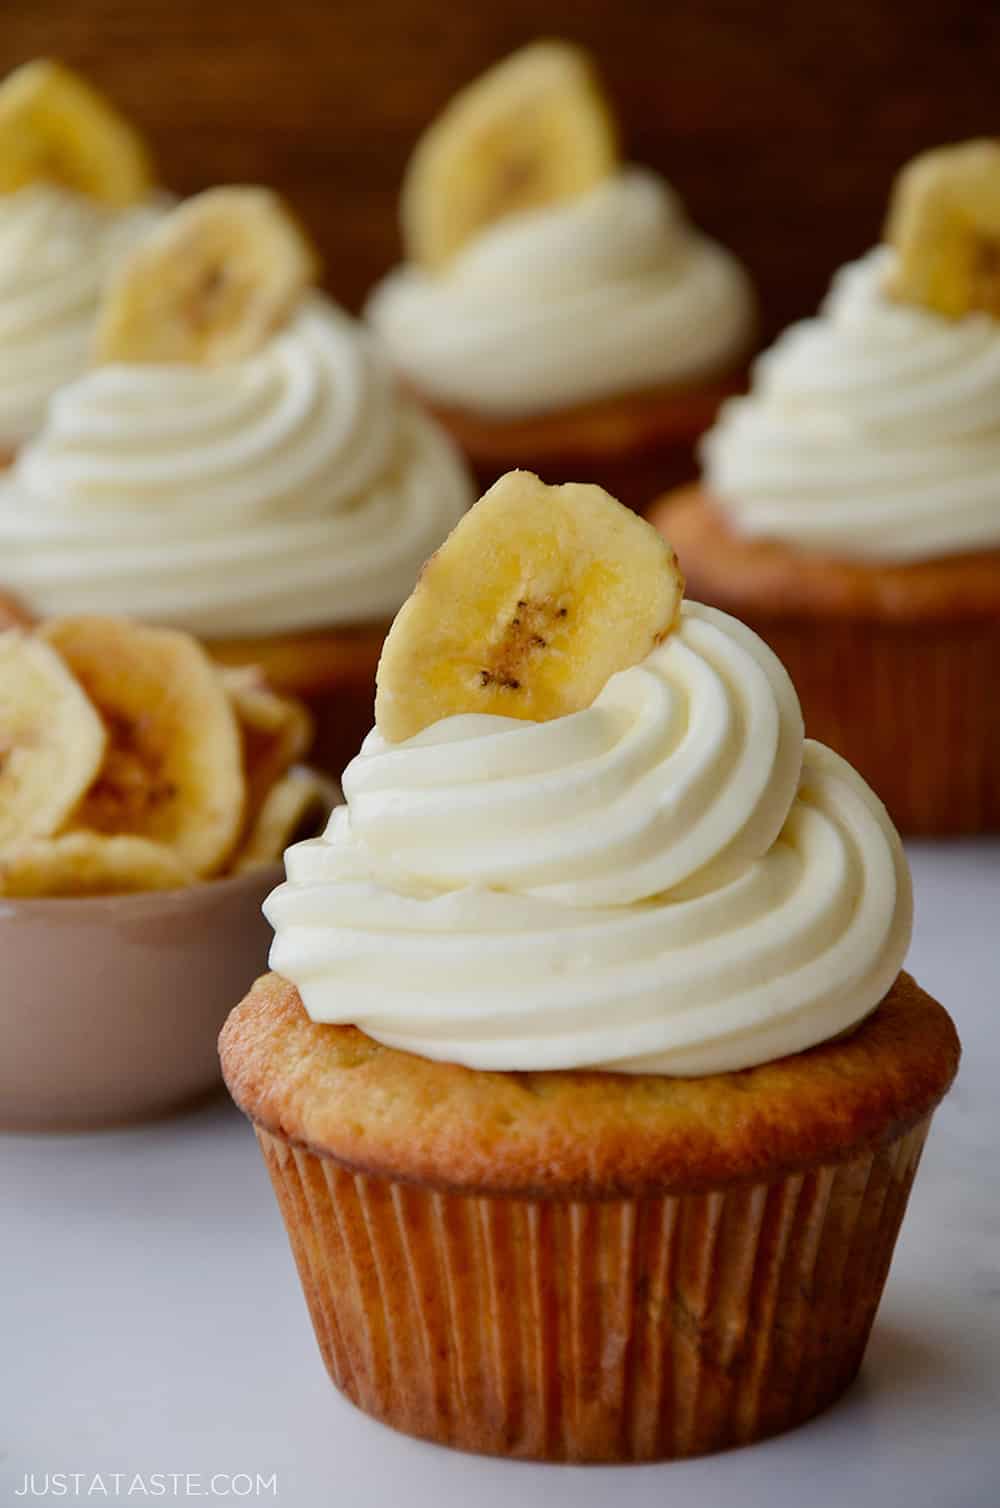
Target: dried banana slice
[173, 769]
[209, 284]
[276, 731]
[52, 741]
[536, 598]
[297, 806]
[87, 863]
[533, 130]
[55, 127]
[944, 223]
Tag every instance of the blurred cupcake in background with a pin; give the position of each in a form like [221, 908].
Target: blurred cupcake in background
[238, 464]
[850, 508]
[77, 189]
[556, 308]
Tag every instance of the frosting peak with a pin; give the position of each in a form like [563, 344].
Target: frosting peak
[606, 294]
[288, 491]
[872, 432]
[669, 881]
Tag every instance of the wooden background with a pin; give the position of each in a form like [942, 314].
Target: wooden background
[780, 124]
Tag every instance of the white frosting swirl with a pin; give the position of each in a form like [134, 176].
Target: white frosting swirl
[56, 250]
[671, 881]
[872, 432]
[293, 490]
[606, 294]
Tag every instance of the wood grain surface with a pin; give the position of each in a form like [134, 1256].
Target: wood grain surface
[781, 125]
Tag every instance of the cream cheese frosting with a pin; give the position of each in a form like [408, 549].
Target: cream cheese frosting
[289, 491]
[606, 294]
[56, 250]
[671, 881]
[871, 432]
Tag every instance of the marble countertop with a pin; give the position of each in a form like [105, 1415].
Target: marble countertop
[151, 1320]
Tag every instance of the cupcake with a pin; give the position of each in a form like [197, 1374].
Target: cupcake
[145, 799]
[556, 307]
[850, 506]
[237, 464]
[588, 1081]
[76, 192]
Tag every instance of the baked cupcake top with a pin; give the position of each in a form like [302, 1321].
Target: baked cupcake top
[584, 1134]
[587, 831]
[542, 272]
[239, 462]
[872, 432]
[76, 191]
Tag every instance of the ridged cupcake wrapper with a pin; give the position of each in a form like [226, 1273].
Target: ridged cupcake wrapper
[618, 1330]
[910, 707]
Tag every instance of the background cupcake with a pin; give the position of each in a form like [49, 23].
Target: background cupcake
[556, 308]
[76, 191]
[850, 508]
[238, 464]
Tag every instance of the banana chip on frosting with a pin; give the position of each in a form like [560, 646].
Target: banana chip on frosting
[533, 601]
[210, 283]
[535, 129]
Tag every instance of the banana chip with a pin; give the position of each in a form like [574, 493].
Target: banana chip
[52, 742]
[130, 761]
[56, 128]
[944, 222]
[173, 768]
[209, 284]
[535, 599]
[86, 863]
[296, 806]
[276, 731]
[534, 130]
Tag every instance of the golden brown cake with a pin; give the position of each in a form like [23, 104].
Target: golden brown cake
[589, 1266]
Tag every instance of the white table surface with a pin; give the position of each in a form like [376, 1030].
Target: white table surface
[151, 1319]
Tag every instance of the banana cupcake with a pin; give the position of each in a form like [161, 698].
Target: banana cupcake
[76, 191]
[588, 1081]
[556, 307]
[238, 464]
[850, 508]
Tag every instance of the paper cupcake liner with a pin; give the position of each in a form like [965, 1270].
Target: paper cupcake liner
[610, 1331]
[910, 707]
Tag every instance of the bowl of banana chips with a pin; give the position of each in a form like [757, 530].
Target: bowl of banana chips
[146, 798]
